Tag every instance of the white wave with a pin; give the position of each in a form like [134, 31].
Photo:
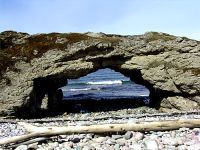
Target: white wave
[84, 89]
[105, 82]
[144, 95]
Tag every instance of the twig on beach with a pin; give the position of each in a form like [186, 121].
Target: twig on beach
[35, 132]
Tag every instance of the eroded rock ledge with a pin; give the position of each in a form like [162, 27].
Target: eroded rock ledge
[33, 67]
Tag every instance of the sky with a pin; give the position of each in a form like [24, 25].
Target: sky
[126, 17]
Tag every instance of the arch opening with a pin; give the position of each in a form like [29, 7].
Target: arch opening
[103, 90]
[115, 89]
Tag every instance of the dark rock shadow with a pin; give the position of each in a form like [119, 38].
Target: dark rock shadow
[84, 106]
[92, 105]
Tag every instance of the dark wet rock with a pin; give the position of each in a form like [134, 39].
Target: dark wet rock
[76, 140]
[34, 67]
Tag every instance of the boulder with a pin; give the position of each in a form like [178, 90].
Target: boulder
[34, 67]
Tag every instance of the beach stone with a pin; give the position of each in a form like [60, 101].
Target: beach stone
[181, 134]
[76, 140]
[182, 147]
[55, 144]
[115, 137]
[63, 136]
[22, 147]
[138, 136]
[48, 148]
[161, 146]
[173, 134]
[159, 134]
[128, 135]
[81, 136]
[33, 146]
[40, 146]
[151, 145]
[78, 148]
[82, 144]
[180, 141]
[153, 136]
[121, 142]
[167, 135]
[125, 148]
[171, 147]
[68, 144]
[135, 146]
[196, 146]
[95, 145]
[60, 145]
[88, 147]
[89, 136]
[100, 139]
[117, 146]
[110, 141]
[183, 129]
[49, 143]
[190, 142]
[57, 148]
[85, 140]
[107, 147]
[170, 141]
[196, 130]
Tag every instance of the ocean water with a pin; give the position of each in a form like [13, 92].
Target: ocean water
[104, 84]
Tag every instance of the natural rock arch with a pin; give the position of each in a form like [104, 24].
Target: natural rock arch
[50, 86]
[35, 65]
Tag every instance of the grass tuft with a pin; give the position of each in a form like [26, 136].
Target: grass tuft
[153, 36]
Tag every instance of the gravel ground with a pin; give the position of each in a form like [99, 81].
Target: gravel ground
[182, 139]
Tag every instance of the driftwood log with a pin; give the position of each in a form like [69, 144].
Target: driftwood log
[34, 132]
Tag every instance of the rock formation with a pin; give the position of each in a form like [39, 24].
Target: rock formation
[33, 67]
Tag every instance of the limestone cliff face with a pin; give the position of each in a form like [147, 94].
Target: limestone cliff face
[33, 66]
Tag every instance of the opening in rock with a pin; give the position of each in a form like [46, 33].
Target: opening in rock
[103, 90]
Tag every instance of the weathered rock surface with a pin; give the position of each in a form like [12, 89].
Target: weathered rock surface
[33, 67]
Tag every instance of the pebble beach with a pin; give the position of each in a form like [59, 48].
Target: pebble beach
[180, 139]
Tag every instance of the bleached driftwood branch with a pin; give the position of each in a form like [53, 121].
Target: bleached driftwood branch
[102, 128]
[35, 140]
